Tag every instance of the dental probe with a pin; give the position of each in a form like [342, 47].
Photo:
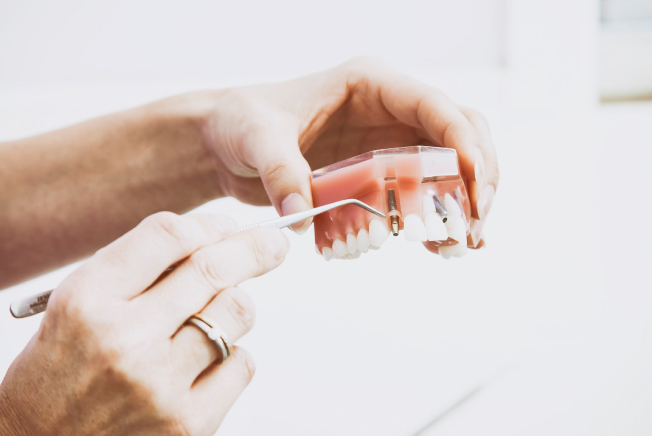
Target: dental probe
[37, 303]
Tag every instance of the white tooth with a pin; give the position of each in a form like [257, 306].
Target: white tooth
[351, 243]
[444, 251]
[356, 255]
[363, 240]
[461, 249]
[428, 204]
[378, 233]
[328, 253]
[457, 250]
[452, 207]
[456, 228]
[435, 228]
[339, 248]
[413, 228]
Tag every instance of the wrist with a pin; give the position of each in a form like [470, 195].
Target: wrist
[181, 123]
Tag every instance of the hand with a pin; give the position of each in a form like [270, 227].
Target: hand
[267, 138]
[113, 356]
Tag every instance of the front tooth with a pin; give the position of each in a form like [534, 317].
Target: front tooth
[378, 233]
[356, 255]
[435, 228]
[452, 207]
[428, 204]
[413, 228]
[456, 228]
[363, 240]
[351, 243]
[328, 253]
[457, 250]
[339, 248]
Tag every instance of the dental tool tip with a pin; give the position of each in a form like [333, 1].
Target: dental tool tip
[391, 205]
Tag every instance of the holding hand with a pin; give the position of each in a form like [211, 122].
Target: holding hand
[265, 139]
[114, 354]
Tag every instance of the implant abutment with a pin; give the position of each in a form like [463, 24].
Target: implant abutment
[395, 225]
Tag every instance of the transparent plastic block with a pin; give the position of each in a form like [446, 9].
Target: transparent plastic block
[417, 187]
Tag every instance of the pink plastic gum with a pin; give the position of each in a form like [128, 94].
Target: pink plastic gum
[421, 177]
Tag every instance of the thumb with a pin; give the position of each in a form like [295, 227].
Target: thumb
[286, 176]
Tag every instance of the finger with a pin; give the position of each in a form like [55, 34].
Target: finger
[483, 190]
[283, 170]
[421, 106]
[206, 272]
[133, 262]
[191, 349]
[216, 390]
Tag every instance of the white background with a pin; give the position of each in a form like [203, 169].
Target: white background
[552, 319]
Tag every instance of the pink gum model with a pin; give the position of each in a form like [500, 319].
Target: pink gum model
[419, 188]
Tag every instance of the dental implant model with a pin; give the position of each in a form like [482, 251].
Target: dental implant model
[419, 189]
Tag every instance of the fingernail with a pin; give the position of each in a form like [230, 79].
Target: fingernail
[484, 204]
[294, 203]
[279, 243]
[478, 166]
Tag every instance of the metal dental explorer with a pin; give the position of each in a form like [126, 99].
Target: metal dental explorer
[38, 303]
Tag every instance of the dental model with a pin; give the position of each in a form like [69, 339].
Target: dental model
[419, 188]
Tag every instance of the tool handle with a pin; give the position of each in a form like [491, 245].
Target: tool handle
[31, 305]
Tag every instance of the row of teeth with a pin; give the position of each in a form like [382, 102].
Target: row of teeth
[432, 228]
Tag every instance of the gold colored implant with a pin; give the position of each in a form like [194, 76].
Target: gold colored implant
[391, 203]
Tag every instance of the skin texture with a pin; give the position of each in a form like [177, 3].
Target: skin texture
[111, 355]
[88, 371]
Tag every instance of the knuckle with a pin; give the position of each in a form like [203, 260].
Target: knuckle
[273, 171]
[73, 305]
[244, 364]
[477, 118]
[240, 306]
[168, 225]
[224, 223]
[259, 249]
[210, 270]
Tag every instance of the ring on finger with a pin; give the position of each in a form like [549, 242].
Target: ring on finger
[213, 332]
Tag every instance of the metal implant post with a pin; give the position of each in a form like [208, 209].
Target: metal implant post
[391, 203]
[439, 207]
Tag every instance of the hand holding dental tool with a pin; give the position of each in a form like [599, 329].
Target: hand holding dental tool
[125, 349]
[38, 303]
[70, 192]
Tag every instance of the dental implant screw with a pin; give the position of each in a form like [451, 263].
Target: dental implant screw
[391, 203]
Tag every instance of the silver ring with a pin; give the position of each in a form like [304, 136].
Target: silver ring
[213, 332]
